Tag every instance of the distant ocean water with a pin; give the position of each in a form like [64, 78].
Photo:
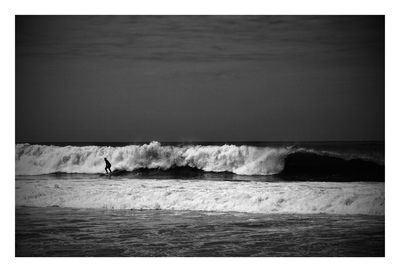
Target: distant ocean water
[250, 184]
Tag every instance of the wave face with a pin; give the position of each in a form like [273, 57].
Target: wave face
[240, 160]
[223, 196]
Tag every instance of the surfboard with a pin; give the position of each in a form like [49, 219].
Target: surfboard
[116, 172]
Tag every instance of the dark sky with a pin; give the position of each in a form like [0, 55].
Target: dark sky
[199, 78]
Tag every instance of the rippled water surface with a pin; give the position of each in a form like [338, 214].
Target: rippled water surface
[54, 231]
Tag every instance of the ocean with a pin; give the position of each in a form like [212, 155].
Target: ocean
[200, 199]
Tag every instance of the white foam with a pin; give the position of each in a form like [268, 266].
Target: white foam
[254, 197]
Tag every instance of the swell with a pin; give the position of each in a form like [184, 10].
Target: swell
[286, 162]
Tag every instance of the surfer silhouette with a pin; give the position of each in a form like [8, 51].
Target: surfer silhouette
[108, 166]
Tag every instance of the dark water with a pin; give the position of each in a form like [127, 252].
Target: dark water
[93, 232]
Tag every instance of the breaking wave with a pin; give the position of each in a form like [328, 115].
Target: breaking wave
[240, 160]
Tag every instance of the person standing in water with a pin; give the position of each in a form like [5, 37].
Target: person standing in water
[108, 166]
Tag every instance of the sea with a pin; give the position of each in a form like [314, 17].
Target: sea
[200, 199]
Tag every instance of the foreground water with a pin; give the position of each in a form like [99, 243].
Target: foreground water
[158, 217]
[54, 231]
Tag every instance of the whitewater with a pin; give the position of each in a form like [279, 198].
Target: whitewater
[220, 196]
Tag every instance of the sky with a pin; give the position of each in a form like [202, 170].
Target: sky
[199, 78]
